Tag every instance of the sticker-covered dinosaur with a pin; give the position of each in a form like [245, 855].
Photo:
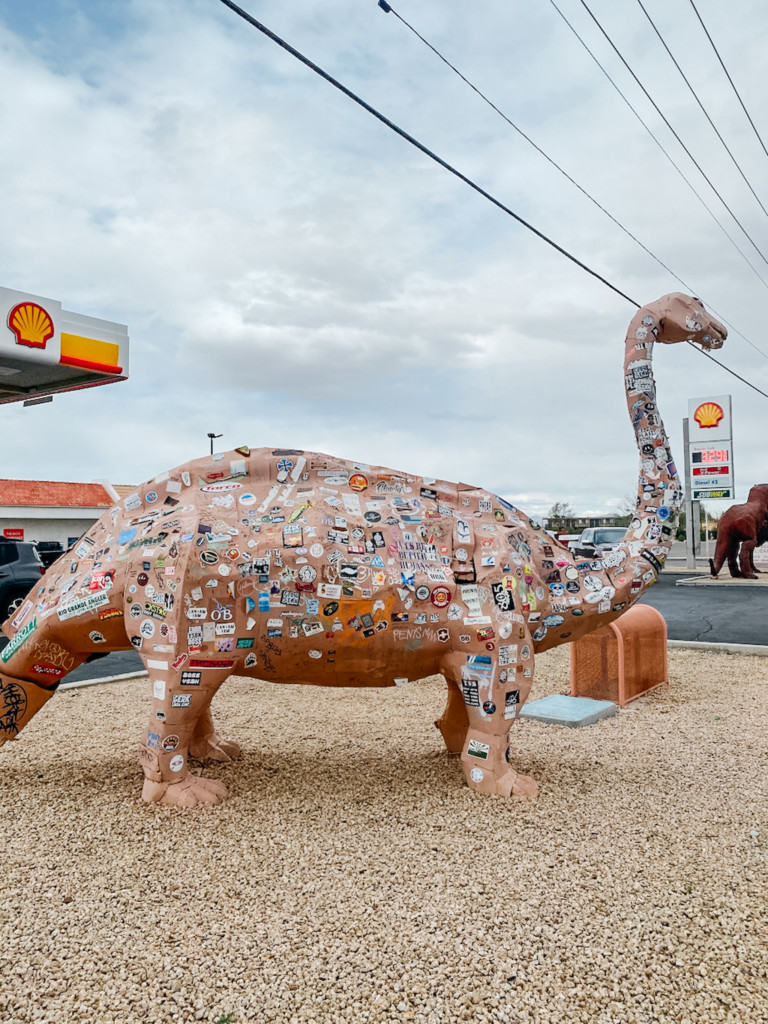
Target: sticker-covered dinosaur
[298, 567]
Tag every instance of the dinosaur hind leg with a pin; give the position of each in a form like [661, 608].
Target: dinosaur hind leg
[454, 721]
[745, 560]
[733, 560]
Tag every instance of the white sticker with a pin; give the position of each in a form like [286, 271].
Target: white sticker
[158, 689]
[176, 763]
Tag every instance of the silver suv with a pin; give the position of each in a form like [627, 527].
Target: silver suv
[20, 571]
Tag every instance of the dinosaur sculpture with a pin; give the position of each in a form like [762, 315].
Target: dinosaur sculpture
[298, 567]
[745, 525]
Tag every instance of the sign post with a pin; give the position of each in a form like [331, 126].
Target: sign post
[708, 438]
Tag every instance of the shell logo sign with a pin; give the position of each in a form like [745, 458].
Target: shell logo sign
[31, 325]
[708, 414]
[45, 349]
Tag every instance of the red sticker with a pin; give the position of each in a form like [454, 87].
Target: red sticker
[440, 597]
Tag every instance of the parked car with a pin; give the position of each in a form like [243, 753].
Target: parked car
[597, 541]
[20, 570]
[49, 551]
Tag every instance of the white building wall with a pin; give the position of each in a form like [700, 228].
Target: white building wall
[61, 524]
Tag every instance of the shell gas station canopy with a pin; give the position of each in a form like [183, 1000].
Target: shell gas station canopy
[45, 349]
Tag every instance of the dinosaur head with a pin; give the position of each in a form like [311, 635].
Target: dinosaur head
[683, 318]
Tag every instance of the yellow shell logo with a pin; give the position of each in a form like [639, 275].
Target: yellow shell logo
[708, 414]
[31, 324]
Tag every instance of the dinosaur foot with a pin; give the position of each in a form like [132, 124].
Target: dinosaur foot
[213, 748]
[509, 784]
[190, 792]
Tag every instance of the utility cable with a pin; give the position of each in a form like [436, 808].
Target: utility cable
[422, 148]
[390, 10]
[725, 69]
[690, 185]
[658, 110]
[728, 369]
[387, 7]
[702, 108]
[433, 156]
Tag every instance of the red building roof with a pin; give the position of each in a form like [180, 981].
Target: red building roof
[53, 494]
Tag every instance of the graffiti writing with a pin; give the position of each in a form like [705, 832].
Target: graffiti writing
[53, 653]
[13, 704]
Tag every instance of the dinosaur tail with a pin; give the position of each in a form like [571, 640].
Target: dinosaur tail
[20, 700]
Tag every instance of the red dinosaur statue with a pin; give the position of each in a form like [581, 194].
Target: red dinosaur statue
[745, 525]
[298, 567]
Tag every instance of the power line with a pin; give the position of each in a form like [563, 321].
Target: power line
[728, 369]
[390, 10]
[433, 156]
[690, 185]
[702, 107]
[725, 69]
[387, 7]
[422, 148]
[667, 123]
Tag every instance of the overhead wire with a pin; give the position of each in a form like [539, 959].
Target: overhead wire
[388, 8]
[666, 121]
[420, 146]
[703, 109]
[669, 157]
[727, 75]
[443, 163]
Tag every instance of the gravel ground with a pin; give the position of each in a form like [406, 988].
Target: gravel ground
[351, 876]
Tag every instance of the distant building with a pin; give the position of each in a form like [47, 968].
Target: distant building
[575, 524]
[53, 510]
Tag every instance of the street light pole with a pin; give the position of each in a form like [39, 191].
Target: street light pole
[213, 437]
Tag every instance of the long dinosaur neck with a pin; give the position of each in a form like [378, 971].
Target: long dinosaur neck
[646, 544]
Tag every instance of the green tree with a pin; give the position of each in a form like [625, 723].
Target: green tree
[559, 514]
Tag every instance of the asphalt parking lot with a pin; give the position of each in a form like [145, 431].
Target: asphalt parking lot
[713, 611]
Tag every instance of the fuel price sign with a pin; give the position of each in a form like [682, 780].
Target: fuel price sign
[712, 470]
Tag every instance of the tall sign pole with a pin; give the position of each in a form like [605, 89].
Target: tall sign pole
[708, 437]
[691, 534]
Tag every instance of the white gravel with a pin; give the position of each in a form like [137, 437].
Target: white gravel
[351, 876]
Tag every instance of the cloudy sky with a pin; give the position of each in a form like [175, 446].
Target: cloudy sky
[294, 274]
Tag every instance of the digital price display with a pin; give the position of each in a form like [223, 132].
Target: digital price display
[711, 467]
[710, 455]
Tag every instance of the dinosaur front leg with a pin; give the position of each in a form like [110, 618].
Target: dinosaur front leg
[492, 696]
[207, 745]
[180, 700]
